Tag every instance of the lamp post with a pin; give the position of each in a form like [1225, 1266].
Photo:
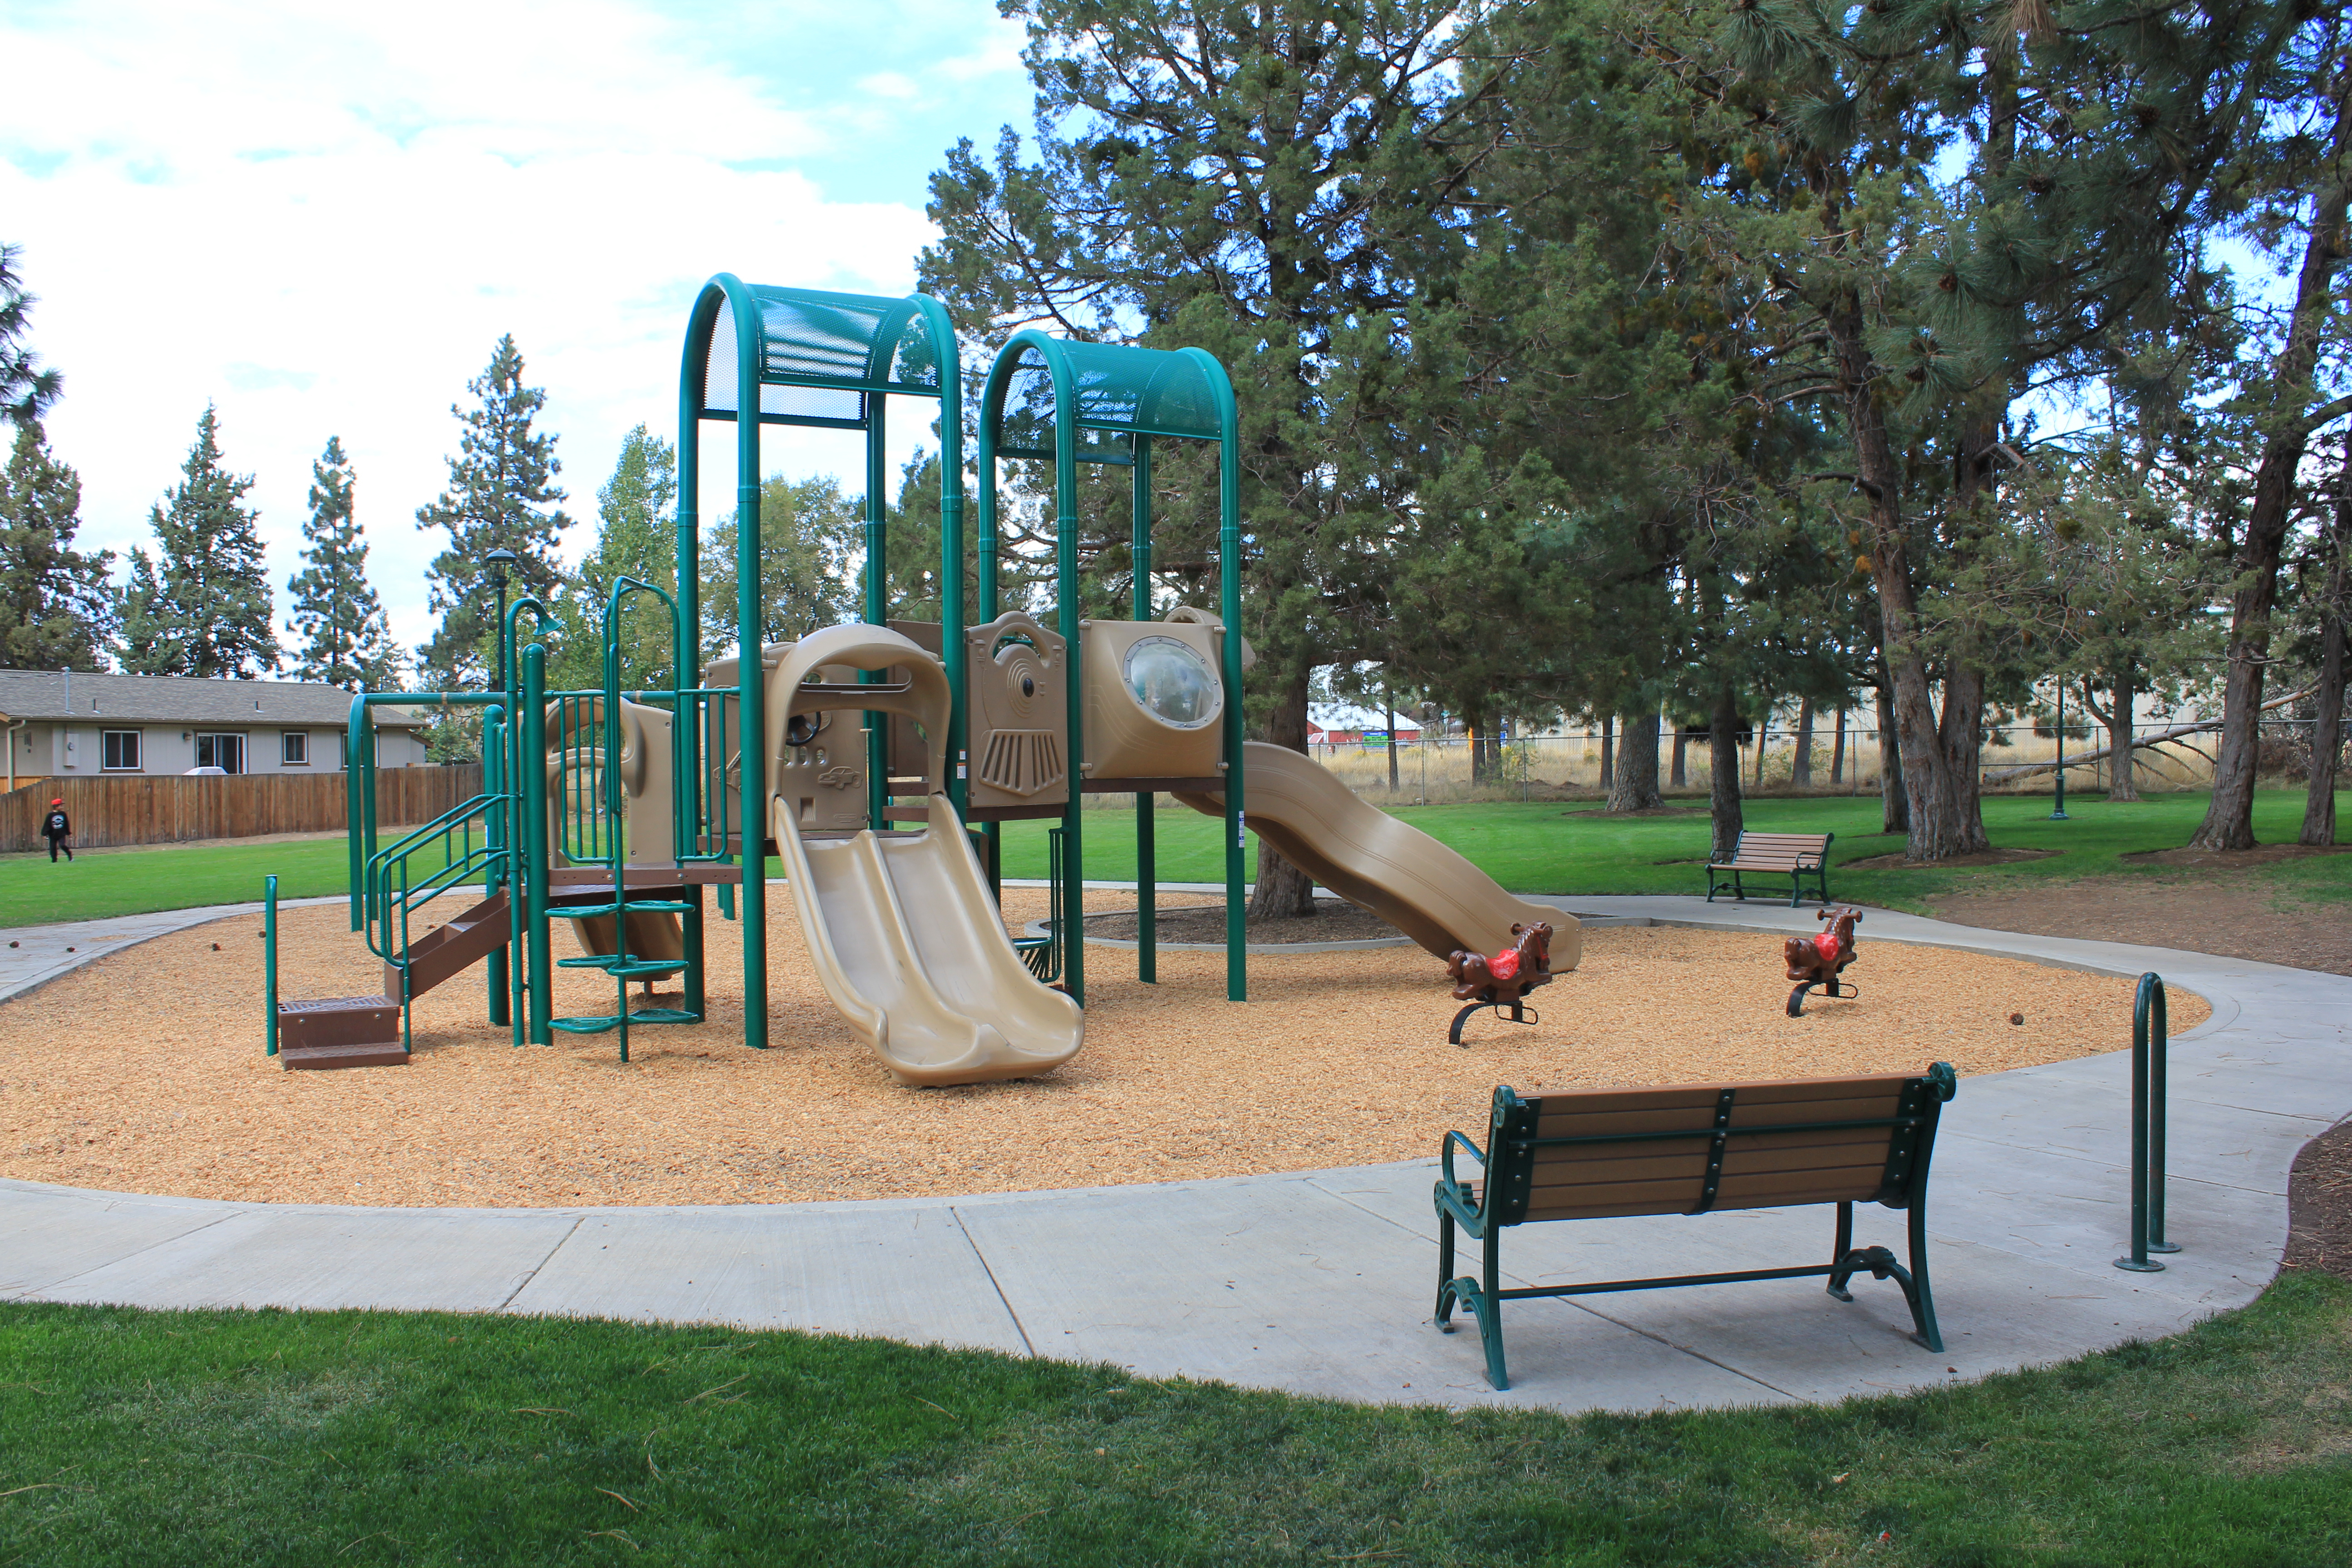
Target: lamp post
[498, 563]
[2059, 813]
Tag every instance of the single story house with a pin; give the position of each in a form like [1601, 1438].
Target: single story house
[73, 724]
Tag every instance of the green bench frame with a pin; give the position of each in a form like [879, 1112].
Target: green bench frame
[1790, 862]
[1690, 1150]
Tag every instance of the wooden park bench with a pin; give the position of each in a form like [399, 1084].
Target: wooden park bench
[1795, 856]
[1609, 1154]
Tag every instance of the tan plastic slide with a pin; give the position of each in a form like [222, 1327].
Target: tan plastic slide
[910, 947]
[1369, 857]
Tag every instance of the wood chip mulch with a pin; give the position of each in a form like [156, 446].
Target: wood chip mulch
[144, 1070]
[2319, 1204]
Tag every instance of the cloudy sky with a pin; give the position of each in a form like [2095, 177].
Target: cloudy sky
[321, 217]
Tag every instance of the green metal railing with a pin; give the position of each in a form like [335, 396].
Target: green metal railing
[2149, 1048]
[396, 889]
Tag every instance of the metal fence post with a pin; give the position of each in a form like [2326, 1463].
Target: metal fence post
[270, 956]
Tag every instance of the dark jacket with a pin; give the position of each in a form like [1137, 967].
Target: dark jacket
[56, 824]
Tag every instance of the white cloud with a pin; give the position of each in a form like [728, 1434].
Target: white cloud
[891, 84]
[322, 219]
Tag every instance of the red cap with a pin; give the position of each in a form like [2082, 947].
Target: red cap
[59, 801]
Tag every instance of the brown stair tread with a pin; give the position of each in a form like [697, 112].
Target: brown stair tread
[293, 1058]
[336, 1004]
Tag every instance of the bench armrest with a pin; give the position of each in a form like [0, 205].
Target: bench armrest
[1445, 1155]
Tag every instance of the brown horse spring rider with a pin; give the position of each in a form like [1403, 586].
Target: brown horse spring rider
[1504, 980]
[1819, 959]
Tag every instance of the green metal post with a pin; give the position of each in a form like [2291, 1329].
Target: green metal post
[270, 958]
[2152, 1022]
[877, 606]
[751, 717]
[1229, 606]
[1065, 595]
[986, 610]
[692, 922]
[539, 964]
[496, 759]
[1147, 871]
[951, 607]
[685, 726]
[356, 732]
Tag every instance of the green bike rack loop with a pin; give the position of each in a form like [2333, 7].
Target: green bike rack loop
[1054, 400]
[757, 355]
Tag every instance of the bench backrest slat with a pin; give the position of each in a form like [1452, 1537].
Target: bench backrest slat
[1689, 1148]
[1778, 851]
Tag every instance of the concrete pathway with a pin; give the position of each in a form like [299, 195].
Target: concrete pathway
[32, 957]
[1321, 1282]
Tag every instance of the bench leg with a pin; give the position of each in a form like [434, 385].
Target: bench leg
[1796, 888]
[1880, 1264]
[1738, 890]
[1444, 1314]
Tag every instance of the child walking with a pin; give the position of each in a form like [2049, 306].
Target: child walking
[57, 827]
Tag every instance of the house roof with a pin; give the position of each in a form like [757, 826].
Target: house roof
[54, 695]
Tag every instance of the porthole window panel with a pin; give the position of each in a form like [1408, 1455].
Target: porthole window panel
[1173, 683]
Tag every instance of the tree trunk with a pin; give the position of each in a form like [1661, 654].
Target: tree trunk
[1608, 750]
[1678, 773]
[1800, 765]
[1635, 785]
[1837, 751]
[1283, 890]
[1895, 799]
[1723, 796]
[1763, 735]
[2327, 716]
[2123, 774]
[2229, 818]
[1932, 806]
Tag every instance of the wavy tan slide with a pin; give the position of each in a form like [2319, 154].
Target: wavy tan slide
[910, 947]
[1371, 858]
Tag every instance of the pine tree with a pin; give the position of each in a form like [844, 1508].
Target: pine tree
[1262, 182]
[502, 495]
[26, 389]
[345, 633]
[636, 536]
[203, 608]
[810, 533]
[56, 608]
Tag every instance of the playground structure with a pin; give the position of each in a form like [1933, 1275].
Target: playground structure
[878, 759]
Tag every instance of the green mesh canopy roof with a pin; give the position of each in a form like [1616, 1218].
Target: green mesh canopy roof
[1118, 391]
[821, 356]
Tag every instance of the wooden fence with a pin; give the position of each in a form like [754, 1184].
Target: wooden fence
[176, 808]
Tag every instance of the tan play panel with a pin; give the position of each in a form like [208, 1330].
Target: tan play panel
[144, 1071]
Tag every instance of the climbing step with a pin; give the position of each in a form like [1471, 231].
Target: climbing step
[451, 949]
[339, 1032]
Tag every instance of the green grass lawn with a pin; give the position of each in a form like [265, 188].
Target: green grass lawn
[1579, 848]
[308, 1439]
[1533, 849]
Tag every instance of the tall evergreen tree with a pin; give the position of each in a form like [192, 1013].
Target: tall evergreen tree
[810, 536]
[502, 495]
[1260, 180]
[346, 636]
[203, 608]
[26, 389]
[56, 608]
[636, 536]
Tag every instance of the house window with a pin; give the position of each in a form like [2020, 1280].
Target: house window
[225, 752]
[118, 751]
[297, 752]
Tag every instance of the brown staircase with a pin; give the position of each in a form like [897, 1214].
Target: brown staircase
[365, 1031]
